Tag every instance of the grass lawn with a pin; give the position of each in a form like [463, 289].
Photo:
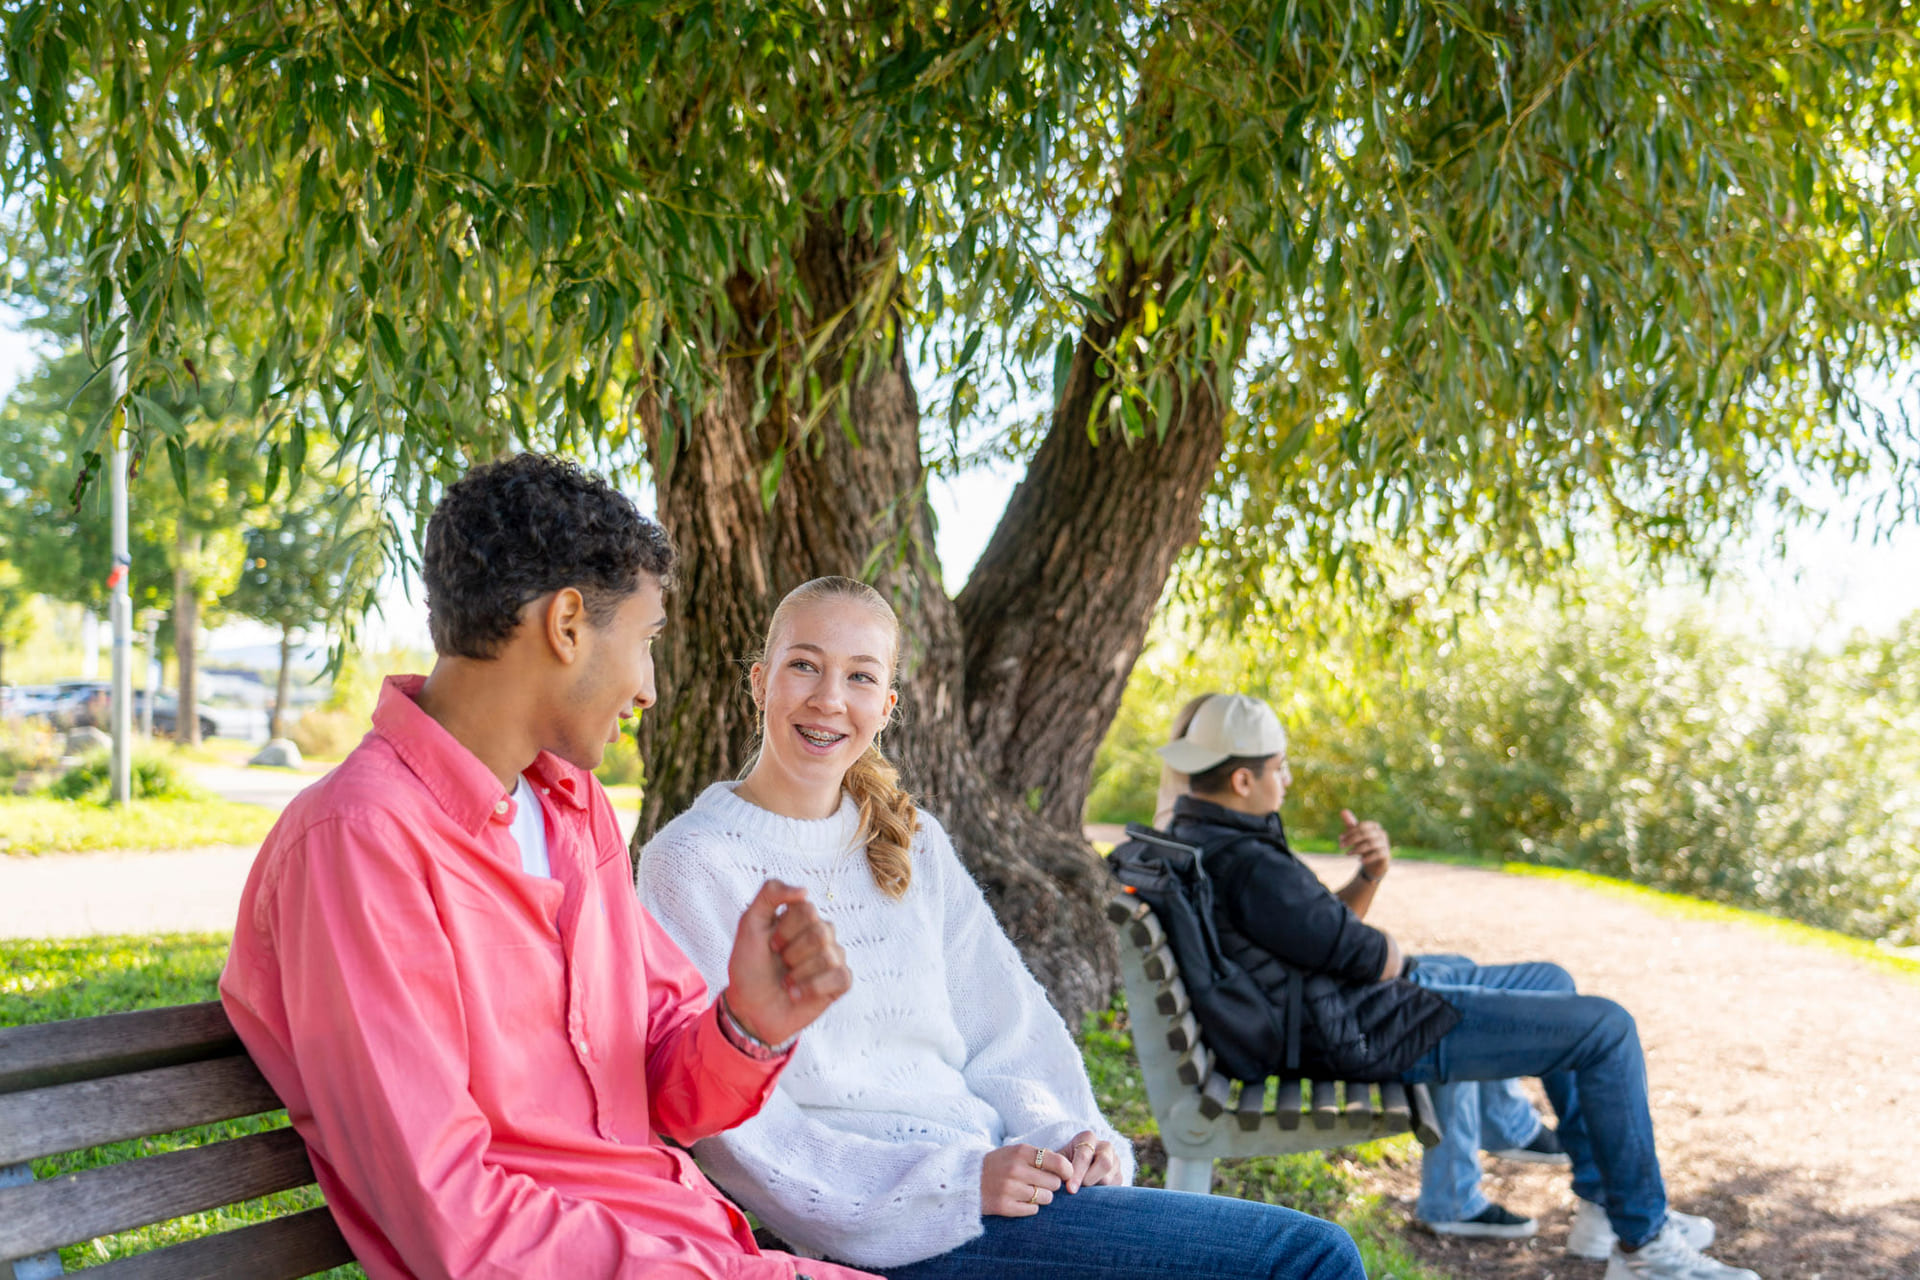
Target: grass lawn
[44, 981]
[39, 824]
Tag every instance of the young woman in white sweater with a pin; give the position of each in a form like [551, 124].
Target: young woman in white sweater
[937, 1120]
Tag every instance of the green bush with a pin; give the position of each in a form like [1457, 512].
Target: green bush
[27, 746]
[154, 778]
[327, 735]
[620, 766]
[1680, 755]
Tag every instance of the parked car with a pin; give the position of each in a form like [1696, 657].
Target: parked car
[87, 702]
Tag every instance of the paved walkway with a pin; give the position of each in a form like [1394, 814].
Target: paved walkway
[162, 891]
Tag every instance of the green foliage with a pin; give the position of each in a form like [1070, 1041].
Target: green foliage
[1669, 753]
[621, 766]
[1469, 274]
[322, 734]
[26, 746]
[154, 777]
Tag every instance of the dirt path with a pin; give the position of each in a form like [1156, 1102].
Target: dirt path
[1785, 1078]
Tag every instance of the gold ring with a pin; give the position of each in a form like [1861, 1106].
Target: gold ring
[1088, 1145]
[1040, 1158]
[1035, 1197]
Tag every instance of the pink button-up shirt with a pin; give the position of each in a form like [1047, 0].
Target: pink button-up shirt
[483, 1063]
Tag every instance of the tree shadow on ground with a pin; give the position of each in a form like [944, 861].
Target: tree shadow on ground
[1766, 1222]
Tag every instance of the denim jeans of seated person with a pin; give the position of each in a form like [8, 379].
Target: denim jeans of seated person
[1586, 1051]
[1118, 1233]
[1487, 1115]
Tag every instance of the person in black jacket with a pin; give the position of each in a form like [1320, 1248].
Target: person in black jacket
[1370, 1012]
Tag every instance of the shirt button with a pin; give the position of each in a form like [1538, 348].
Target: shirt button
[500, 806]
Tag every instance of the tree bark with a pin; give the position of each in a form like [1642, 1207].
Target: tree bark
[1057, 609]
[186, 636]
[838, 503]
[283, 685]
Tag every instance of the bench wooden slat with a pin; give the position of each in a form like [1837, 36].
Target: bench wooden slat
[112, 1044]
[300, 1244]
[1195, 1065]
[1286, 1103]
[1146, 932]
[1214, 1095]
[1250, 1110]
[1324, 1111]
[1393, 1103]
[1183, 1034]
[1359, 1108]
[100, 1202]
[1426, 1121]
[1171, 999]
[1159, 965]
[71, 1117]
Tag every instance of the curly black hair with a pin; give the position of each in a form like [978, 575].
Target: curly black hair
[511, 531]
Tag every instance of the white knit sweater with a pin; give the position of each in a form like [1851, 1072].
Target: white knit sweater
[869, 1150]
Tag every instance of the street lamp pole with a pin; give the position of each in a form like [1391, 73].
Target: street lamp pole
[122, 609]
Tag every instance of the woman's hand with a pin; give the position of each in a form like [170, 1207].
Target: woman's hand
[1094, 1162]
[1016, 1181]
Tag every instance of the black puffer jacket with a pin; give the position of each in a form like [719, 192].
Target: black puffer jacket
[1277, 921]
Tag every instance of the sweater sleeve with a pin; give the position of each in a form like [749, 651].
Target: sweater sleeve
[824, 1190]
[1020, 1058]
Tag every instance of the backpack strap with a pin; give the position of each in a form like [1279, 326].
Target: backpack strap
[1296, 981]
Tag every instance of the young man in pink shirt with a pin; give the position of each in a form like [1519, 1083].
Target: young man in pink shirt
[494, 1055]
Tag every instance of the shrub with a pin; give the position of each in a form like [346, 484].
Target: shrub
[327, 735]
[154, 778]
[621, 764]
[1677, 755]
[27, 746]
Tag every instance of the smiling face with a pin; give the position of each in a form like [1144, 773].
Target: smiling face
[825, 688]
[609, 677]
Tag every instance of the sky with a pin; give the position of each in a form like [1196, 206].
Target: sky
[1828, 583]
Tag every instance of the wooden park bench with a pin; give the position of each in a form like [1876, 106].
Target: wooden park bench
[74, 1086]
[1203, 1115]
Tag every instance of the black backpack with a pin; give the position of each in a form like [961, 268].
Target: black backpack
[1250, 1039]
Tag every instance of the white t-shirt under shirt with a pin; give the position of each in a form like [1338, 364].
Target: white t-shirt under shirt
[529, 830]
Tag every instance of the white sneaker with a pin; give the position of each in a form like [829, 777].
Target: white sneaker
[1592, 1235]
[1668, 1256]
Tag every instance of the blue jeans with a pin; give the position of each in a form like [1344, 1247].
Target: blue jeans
[1488, 1116]
[1115, 1233]
[1524, 1020]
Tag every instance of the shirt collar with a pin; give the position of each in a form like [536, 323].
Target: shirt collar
[452, 775]
[1195, 809]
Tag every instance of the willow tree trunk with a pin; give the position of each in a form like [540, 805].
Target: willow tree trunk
[837, 504]
[186, 637]
[1058, 606]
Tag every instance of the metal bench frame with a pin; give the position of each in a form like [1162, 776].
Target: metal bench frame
[73, 1086]
[1203, 1115]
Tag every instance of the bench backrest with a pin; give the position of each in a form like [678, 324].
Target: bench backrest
[73, 1086]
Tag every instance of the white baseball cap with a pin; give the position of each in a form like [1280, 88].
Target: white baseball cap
[1226, 725]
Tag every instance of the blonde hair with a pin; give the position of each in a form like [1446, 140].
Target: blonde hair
[1173, 783]
[888, 818]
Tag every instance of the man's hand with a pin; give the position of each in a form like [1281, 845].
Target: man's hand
[1366, 841]
[1094, 1162]
[786, 967]
[1016, 1181]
